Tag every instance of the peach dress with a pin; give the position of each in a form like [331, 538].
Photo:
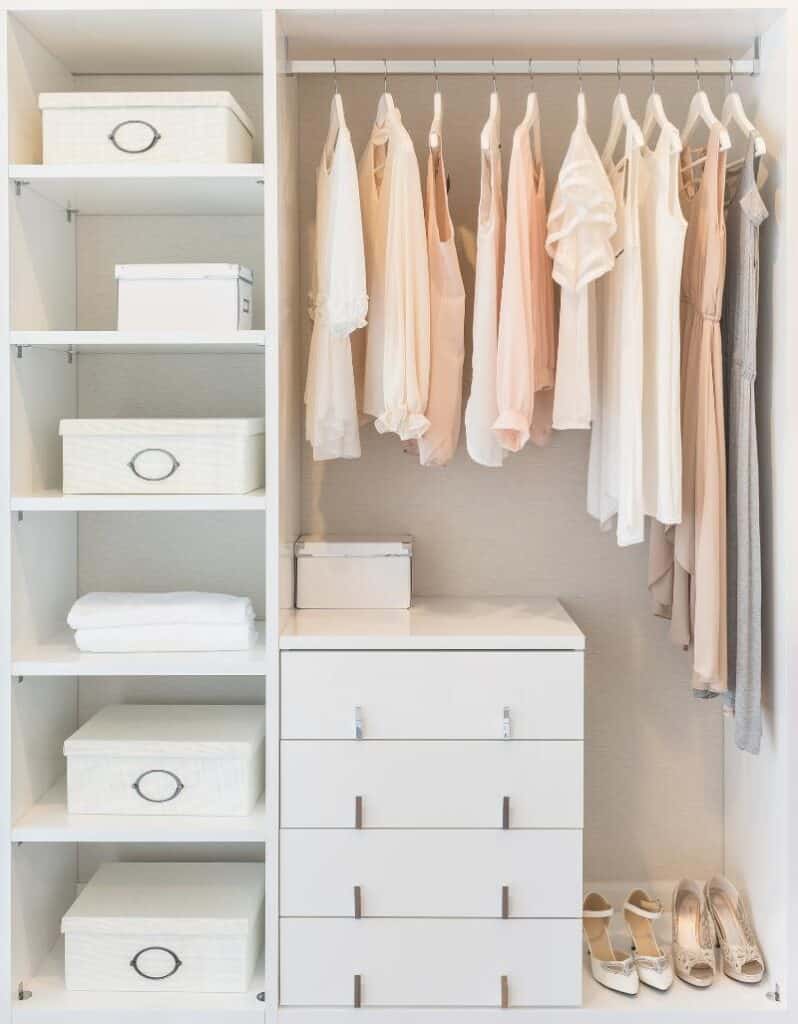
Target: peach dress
[687, 562]
[527, 343]
[447, 324]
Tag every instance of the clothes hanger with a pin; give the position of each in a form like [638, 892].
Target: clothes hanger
[531, 121]
[622, 120]
[386, 105]
[337, 120]
[655, 116]
[700, 110]
[581, 105]
[437, 113]
[733, 113]
[492, 126]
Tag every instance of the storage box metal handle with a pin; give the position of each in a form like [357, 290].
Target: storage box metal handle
[177, 963]
[179, 786]
[156, 136]
[171, 461]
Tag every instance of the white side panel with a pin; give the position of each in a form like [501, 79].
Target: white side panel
[44, 566]
[431, 784]
[430, 963]
[435, 873]
[432, 695]
[43, 391]
[43, 283]
[44, 714]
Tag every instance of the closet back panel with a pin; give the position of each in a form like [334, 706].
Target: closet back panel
[524, 529]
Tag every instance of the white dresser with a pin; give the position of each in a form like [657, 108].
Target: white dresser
[431, 806]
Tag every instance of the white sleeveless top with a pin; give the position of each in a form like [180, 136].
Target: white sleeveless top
[482, 408]
[663, 229]
[338, 303]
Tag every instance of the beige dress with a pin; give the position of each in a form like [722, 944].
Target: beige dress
[687, 567]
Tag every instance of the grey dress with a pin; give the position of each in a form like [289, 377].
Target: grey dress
[745, 211]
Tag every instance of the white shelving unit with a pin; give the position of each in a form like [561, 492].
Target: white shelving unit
[63, 228]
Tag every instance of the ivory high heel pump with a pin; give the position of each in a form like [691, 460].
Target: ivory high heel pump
[609, 968]
[742, 958]
[654, 967]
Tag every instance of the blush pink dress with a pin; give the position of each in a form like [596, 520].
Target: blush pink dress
[447, 324]
[526, 345]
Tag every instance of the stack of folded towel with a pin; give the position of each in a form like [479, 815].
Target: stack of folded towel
[185, 621]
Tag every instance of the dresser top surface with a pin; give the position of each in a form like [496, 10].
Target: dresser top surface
[438, 623]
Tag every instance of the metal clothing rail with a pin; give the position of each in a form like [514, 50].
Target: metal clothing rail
[575, 68]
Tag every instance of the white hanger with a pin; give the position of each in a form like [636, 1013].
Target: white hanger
[700, 110]
[386, 104]
[733, 112]
[531, 121]
[655, 115]
[581, 105]
[437, 116]
[492, 126]
[337, 120]
[621, 120]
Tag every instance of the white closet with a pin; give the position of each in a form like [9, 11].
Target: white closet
[662, 792]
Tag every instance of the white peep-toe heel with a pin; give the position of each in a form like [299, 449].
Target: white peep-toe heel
[609, 967]
[742, 957]
[693, 935]
[654, 967]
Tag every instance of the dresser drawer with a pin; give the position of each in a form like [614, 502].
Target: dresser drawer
[431, 873]
[430, 963]
[431, 784]
[432, 694]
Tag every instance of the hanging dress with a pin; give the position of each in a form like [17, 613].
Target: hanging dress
[526, 350]
[687, 562]
[447, 323]
[745, 211]
[397, 360]
[580, 227]
[615, 469]
[663, 229]
[482, 407]
[338, 300]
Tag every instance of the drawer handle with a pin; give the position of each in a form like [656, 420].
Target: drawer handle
[505, 993]
[505, 812]
[505, 901]
[358, 812]
[134, 963]
[172, 463]
[357, 1000]
[358, 722]
[358, 902]
[506, 725]
[179, 787]
[156, 137]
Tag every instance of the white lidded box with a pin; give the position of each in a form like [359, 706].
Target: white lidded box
[203, 297]
[144, 127]
[353, 572]
[165, 928]
[192, 759]
[162, 456]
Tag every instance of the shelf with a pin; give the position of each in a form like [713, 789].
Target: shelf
[60, 657]
[133, 342]
[49, 822]
[438, 623]
[51, 1003]
[55, 501]
[147, 189]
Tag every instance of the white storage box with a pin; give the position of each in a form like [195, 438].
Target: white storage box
[165, 928]
[144, 127]
[167, 760]
[341, 572]
[162, 456]
[202, 297]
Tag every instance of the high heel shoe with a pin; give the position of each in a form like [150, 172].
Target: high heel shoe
[693, 935]
[609, 967]
[654, 967]
[742, 957]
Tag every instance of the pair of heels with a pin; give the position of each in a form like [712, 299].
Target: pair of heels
[704, 918]
[647, 962]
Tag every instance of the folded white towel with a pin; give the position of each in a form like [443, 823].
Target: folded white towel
[101, 610]
[174, 637]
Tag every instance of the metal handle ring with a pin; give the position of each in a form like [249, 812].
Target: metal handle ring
[156, 977]
[156, 136]
[179, 787]
[154, 479]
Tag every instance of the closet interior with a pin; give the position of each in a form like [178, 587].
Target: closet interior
[665, 792]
